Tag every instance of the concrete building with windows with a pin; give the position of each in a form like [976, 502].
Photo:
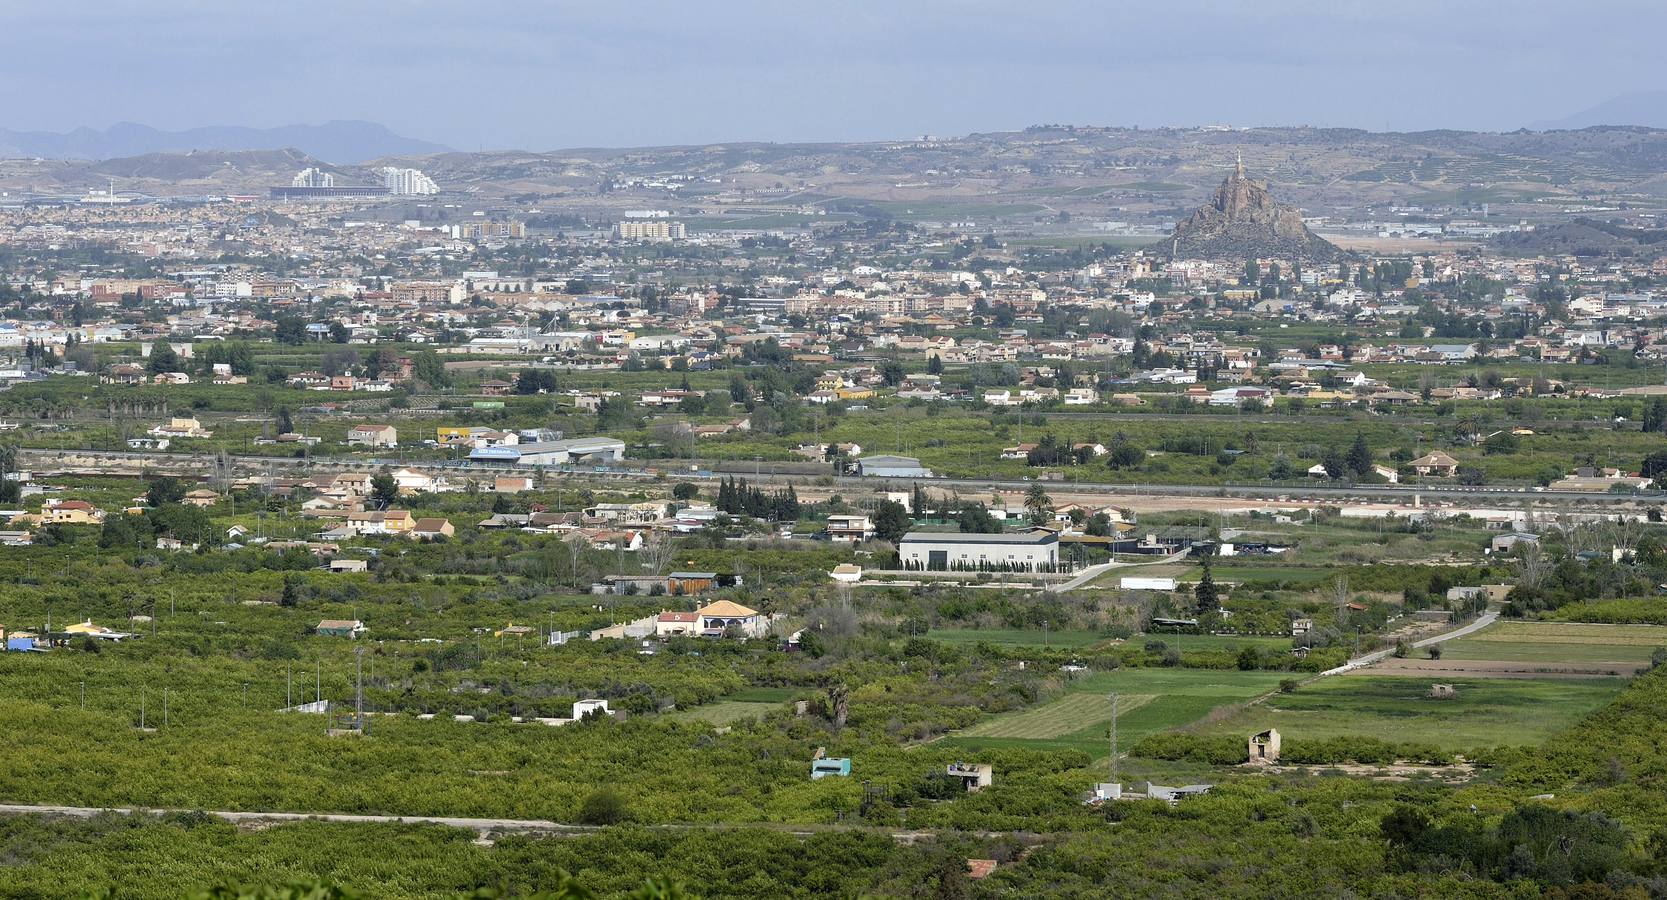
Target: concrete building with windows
[313, 177]
[650, 230]
[850, 528]
[372, 436]
[942, 551]
[715, 619]
[407, 182]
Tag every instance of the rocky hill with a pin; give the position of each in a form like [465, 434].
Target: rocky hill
[1243, 221]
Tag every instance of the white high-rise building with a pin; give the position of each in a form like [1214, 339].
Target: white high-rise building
[312, 177]
[650, 230]
[408, 182]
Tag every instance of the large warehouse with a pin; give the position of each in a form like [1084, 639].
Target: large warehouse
[583, 451]
[949, 550]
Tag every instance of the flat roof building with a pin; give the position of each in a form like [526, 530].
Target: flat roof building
[942, 551]
[591, 450]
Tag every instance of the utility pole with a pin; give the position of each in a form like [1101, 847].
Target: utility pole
[359, 691]
[289, 685]
[1113, 737]
[83, 695]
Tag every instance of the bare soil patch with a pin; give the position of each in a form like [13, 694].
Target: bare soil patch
[1489, 668]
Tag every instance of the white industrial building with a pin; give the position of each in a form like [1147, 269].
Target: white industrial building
[954, 551]
[591, 450]
[892, 467]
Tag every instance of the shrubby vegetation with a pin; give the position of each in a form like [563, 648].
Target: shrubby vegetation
[1613, 612]
[1229, 750]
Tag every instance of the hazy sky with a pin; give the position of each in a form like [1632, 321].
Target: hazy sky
[549, 74]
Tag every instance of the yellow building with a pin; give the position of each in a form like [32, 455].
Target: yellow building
[70, 512]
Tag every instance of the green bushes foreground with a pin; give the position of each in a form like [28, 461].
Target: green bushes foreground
[1228, 750]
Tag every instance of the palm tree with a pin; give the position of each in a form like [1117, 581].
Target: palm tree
[1038, 503]
[839, 704]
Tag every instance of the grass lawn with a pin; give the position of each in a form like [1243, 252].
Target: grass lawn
[1148, 701]
[1012, 637]
[1482, 712]
[1555, 642]
[769, 694]
[747, 703]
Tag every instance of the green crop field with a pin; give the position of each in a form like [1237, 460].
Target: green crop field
[1481, 712]
[1058, 719]
[932, 209]
[768, 694]
[1149, 701]
[1551, 643]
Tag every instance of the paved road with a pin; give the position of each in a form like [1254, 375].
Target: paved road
[1095, 571]
[1377, 656]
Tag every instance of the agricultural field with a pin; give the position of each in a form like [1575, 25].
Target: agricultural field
[1554, 645]
[724, 712]
[1620, 611]
[745, 704]
[1148, 701]
[1480, 713]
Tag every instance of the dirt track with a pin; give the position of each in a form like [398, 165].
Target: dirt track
[1487, 668]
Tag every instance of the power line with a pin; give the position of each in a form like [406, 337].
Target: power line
[1113, 737]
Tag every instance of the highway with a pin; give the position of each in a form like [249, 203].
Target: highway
[131, 461]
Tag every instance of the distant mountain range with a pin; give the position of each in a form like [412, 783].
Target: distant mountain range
[339, 142]
[1159, 174]
[1645, 108]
